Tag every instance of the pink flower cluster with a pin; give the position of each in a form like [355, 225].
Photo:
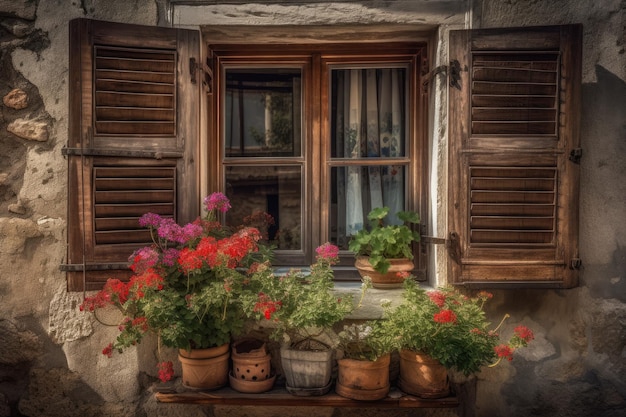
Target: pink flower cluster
[217, 201]
[328, 252]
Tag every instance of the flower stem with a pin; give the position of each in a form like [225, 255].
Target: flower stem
[506, 316]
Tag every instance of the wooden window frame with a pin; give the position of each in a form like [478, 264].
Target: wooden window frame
[316, 61]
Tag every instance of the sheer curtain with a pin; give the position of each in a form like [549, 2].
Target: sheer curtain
[369, 124]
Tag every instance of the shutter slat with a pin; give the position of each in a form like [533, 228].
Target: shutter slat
[131, 128]
[134, 114]
[125, 210]
[122, 237]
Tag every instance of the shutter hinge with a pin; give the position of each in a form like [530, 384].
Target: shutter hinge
[455, 73]
[575, 155]
[575, 263]
[452, 71]
[207, 72]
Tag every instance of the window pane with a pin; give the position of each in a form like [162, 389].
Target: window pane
[275, 190]
[356, 191]
[368, 113]
[263, 112]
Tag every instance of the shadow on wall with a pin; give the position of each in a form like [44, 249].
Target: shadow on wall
[603, 186]
[35, 380]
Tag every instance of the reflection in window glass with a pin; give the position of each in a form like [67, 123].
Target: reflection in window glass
[263, 112]
[269, 198]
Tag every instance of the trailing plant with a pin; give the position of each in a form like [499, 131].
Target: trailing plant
[381, 241]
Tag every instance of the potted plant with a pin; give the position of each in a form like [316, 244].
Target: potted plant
[302, 308]
[444, 330]
[383, 249]
[187, 288]
[363, 371]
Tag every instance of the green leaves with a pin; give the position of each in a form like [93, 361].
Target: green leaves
[382, 242]
[464, 343]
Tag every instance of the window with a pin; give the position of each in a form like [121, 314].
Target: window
[317, 135]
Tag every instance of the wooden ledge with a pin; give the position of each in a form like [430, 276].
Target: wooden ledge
[280, 397]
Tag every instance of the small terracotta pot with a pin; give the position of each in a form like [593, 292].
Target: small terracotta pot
[252, 368]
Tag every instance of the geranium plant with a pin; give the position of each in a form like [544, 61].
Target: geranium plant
[450, 327]
[302, 305]
[187, 287]
[382, 241]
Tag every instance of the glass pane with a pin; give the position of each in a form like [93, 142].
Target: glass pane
[258, 191]
[262, 111]
[368, 113]
[356, 190]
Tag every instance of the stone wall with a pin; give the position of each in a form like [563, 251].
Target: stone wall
[50, 360]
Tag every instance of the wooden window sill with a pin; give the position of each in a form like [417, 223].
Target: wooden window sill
[280, 397]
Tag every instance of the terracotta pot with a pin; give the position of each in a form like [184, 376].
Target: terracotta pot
[252, 368]
[422, 375]
[363, 380]
[307, 372]
[205, 369]
[390, 279]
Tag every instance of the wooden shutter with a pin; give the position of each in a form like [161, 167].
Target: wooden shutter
[514, 101]
[133, 137]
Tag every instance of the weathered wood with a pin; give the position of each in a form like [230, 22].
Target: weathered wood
[280, 397]
[512, 190]
[134, 114]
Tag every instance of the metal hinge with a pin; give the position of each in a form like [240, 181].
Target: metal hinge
[452, 72]
[121, 152]
[575, 155]
[207, 72]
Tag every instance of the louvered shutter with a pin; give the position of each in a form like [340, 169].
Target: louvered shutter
[133, 136]
[514, 104]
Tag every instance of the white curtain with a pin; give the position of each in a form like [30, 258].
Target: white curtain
[369, 124]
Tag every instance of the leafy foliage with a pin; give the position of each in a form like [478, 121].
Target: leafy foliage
[386, 241]
[301, 305]
[188, 286]
[449, 327]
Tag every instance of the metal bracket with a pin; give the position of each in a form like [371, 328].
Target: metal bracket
[455, 73]
[575, 155]
[194, 67]
[576, 263]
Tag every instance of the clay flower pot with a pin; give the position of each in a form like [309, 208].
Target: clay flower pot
[389, 279]
[205, 369]
[362, 379]
[422, 375]
[252, 369]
